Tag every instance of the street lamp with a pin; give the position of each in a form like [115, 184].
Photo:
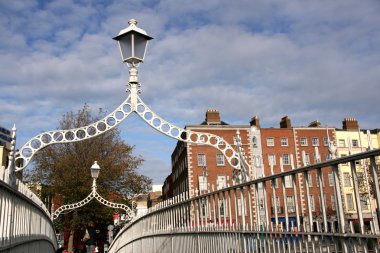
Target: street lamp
[95, 169]
[133, 42]
[133, 45]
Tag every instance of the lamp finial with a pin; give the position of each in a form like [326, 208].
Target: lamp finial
[132, 22]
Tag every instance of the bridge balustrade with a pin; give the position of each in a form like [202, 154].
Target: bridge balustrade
[25, 223]
[269, 214]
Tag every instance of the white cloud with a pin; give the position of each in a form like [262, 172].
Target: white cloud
[309, 60]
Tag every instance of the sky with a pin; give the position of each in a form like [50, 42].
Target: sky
[310, 60]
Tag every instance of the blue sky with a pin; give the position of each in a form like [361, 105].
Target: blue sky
[305, 59]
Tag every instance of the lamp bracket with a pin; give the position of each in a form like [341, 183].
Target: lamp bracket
[135, 104]
[94, 194]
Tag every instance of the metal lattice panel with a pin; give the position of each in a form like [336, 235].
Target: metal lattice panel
[40, 141]
[94, 194]
[132, 104]
[135, 104]
[181, 134]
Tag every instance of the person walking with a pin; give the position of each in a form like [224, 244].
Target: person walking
[90, 237]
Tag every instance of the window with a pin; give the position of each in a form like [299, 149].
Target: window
[221, 182]
[257, 160]
[202, 138]
[331, 178]
[254, 141]
[303, 141]
[317, 158]
[284, 142]
[202, 181]
[219, 159]
[277, 205]
[333, 204]
[347, 179]
[239, 203]
[315, 141]
[222, 208]
[350, 201]
[290, 204]
[317, 180]
[310, 179]
[325, 142]
[270, 142]
[286, 159]
[328, 156]
[275, 183]
[306, 159]
[203, 208]
[363, 202]
[272, 159]
[355, 143]
[341, 143]
[288, 182]
[201, 160]
[312, 203]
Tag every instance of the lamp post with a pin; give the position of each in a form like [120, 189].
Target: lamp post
[95, 169]
[133, 43]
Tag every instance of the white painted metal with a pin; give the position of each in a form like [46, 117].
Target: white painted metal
[135, 104]
[25, 224]
[94, 195]
[195, 233]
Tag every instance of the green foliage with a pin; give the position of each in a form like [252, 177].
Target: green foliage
[65, 168]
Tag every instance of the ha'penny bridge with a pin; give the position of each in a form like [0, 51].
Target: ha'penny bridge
[230, 219]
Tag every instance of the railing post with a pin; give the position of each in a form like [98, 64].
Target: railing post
[374, 173]
[357, 196]
[310, 214]
[320, 180]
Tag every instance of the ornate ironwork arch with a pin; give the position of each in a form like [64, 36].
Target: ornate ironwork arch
[135, 104]
[94, 195]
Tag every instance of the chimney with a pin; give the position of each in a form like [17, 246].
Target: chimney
[315, 123]
[350, 124]
[285, 122]
[212, 117]
[255, 121]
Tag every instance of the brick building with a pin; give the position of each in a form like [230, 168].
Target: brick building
[198, 168]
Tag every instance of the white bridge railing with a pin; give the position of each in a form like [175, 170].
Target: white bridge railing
[340, 216]
[25, 223]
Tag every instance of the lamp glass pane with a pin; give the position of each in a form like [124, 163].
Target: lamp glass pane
[95, 173]
[140, 46]
[126, 46]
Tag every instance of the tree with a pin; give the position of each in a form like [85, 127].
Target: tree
[65, 168]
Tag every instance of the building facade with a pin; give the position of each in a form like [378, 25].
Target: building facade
[198, 169]
[5, 146]
[352, 140]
